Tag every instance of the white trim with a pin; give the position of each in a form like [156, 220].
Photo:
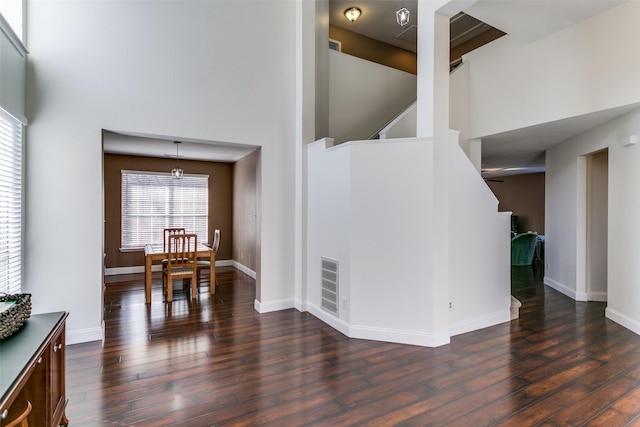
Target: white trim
[481, 322]
[400, 336]
[301, 305]
[597, 296]
[333, 321]
[18, 116]
[269, 306]
[246, 270]
[83, 335]
[380, 334]
[578, 296]
[13, 38]
[623, 320]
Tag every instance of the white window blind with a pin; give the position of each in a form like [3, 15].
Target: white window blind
[152, 202]
[10, 204]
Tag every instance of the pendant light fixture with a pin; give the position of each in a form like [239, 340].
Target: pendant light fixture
[402, 16]
[177, 172]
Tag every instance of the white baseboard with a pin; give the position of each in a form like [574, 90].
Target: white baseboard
[269, 306]
[301, 305]
[578, 296]
[598, 296]
[632, 324]
[83, 335]
[246, 270]
[481, 322]
[380, 334]
[333, 321]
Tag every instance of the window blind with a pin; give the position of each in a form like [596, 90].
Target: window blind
[10, 204]
[152, 202]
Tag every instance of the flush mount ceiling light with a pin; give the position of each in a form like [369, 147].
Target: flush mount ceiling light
[402, 16]
[177, 172]
[352, 13]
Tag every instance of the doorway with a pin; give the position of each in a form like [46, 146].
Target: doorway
[596, 225]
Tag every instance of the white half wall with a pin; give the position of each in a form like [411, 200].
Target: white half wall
[479, 249]
[378, 235]
[371, 208]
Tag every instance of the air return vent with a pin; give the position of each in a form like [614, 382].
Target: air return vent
[330, 285]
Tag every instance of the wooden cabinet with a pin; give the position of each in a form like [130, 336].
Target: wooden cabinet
[33, 368]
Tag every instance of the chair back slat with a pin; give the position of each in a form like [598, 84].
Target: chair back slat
[170, 232]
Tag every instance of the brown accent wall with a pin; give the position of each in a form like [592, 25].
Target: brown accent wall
[524, 196]
[220, 202]
[245, 210]
[374, 50]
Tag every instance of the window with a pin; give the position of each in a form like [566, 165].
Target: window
[10, 204]
[152, 202]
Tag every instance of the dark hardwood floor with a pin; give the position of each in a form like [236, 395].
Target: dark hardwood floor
[218, 362]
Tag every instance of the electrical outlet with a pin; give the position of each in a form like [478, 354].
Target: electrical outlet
[344, 302]
[450, 305]
[548, 266]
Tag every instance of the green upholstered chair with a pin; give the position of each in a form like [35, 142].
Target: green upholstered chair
[523, 247]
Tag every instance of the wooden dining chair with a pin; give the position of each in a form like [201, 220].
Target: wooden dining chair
[182, 253]
[18, 413]
[206, 264]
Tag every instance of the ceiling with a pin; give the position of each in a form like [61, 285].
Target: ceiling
[511, 152]
[162, 146]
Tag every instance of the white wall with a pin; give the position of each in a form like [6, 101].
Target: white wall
[480, 249]
[459, 104]
[329, 223]
[163, 68]
[378, 234]
[391, 243]
[364, 96]
[590, 66]
[403, 126]
[565, 205]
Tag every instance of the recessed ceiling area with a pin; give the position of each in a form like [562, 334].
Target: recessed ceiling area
[523, 149]
[161, 146]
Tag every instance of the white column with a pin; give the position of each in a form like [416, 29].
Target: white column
[306, 46]
[433, 121]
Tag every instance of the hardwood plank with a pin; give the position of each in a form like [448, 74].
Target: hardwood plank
[215, 361]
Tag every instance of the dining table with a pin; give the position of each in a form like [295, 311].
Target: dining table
[158, 253]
